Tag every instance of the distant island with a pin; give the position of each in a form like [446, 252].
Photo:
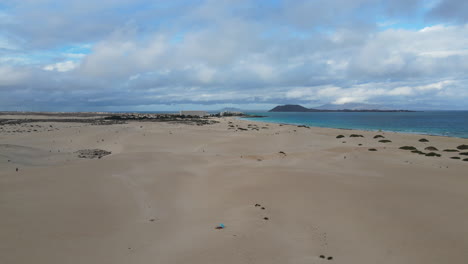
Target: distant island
[300, 108]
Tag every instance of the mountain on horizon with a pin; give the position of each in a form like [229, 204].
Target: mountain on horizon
[289, 108]
[352, 106]
[341, 108]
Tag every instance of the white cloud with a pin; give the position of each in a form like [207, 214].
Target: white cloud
[405, 90]
[74, 55]
[435, 50]
[435, 86]
[344, 100]
[61, 66]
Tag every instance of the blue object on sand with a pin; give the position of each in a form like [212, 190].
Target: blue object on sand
[221, 225]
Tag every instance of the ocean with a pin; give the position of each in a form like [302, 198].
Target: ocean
[442, 123]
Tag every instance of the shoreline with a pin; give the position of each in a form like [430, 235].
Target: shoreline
[357, 129]
[88, 117]
[253, 119]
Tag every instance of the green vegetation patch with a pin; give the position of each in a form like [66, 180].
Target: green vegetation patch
[462, 147]
[433, 154]
[463, 153]
[423, 140]
[379, 136]
[340, 136]
[455, 157]
[356, 135]
[372, 149]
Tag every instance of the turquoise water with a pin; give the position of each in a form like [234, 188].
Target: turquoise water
[443, 123]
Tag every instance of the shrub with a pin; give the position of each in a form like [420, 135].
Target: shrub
[418, 152]
[455, 157]
[356, 135]
[431, 148]
[451, 150]
[379, 136]
[423, 140]
[462, 147]
[340, 136]
[408, 148]
[372, 149]
[463, 153]
[385, 141]
[433, 154]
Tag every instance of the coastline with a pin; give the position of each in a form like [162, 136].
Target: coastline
[355, 129]
[158, 188]
[450, 134]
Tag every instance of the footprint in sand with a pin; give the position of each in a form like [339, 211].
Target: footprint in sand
[328, 258]
[263, 208]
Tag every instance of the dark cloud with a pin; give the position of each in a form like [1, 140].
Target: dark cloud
[450, 10]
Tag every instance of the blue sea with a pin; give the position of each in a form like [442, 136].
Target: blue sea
[442, 123]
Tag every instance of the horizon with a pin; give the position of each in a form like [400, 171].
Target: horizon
[145, 56]
[213, 110]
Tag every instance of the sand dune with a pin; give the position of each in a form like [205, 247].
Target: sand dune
[160, 194]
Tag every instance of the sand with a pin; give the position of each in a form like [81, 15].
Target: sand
[159, 195]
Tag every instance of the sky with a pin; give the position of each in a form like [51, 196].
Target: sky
[139, 55]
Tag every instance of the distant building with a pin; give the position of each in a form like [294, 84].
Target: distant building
[194, 113]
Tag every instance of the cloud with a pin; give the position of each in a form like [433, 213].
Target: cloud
[450, 10]
[432, 51]
[61, 66]
[143, 53]
[376, 92]
[10, 76]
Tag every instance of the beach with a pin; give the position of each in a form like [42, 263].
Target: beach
[284, 194]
